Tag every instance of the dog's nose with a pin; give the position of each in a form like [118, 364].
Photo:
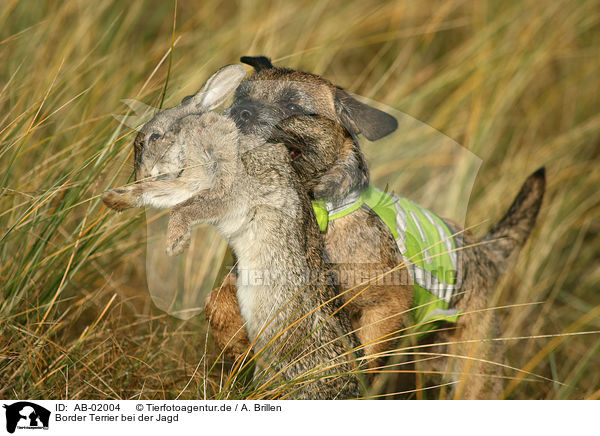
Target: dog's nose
[245, 115]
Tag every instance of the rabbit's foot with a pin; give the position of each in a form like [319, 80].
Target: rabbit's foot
[120, 199]
[177, 243]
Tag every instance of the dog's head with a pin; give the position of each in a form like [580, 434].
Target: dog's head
[316, 120]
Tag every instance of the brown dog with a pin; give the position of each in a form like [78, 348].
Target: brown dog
[313, 119]
[319, 122]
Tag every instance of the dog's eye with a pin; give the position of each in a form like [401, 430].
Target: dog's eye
[154, 137]
[293, 108]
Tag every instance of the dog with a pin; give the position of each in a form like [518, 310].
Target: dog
[319, 122]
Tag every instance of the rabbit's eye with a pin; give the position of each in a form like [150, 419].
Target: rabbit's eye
[154, 137]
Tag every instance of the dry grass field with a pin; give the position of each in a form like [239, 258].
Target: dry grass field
[514, 82]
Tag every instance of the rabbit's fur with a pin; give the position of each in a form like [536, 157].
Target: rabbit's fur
[162, 162]
[249, 191]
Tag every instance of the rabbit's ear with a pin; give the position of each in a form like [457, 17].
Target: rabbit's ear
[216, 90]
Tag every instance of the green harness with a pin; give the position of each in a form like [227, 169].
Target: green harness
[425, 241]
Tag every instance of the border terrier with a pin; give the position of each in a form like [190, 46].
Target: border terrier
[319, 122]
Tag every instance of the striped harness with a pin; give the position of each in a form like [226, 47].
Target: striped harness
[425, 242]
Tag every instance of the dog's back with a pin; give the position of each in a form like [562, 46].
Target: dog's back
[318, 123]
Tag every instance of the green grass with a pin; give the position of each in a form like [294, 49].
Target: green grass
[516, 83]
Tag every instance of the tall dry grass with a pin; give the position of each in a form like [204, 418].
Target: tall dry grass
[516, 83]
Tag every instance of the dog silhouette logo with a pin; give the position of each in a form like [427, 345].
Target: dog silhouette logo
[26, 415]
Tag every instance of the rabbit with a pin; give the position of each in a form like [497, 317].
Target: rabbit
[165, 167]
[198, 162]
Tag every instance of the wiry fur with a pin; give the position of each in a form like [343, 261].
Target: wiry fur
[318, 123]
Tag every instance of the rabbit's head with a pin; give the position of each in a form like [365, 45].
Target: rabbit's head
[157, 158]
[162, 154]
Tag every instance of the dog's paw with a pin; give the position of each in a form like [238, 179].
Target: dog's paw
[326, 189]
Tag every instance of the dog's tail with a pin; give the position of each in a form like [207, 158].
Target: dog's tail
[508, 236]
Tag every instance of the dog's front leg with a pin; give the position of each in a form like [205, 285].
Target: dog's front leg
[223, 314]
[347, 174]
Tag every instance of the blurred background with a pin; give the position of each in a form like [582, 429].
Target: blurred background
[515, 83]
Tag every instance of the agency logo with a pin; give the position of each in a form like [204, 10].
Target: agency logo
[26, 415]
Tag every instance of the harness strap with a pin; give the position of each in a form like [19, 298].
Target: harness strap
[424, 240]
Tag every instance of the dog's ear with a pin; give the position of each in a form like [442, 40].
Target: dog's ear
[257, 62]
[358, 117]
